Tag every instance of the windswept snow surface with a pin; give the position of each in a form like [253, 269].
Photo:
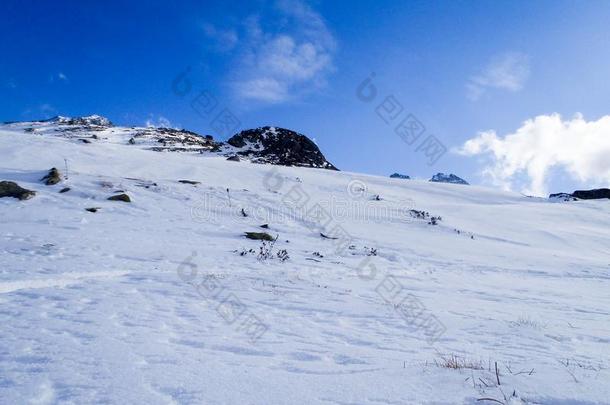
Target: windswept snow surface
[152, 302]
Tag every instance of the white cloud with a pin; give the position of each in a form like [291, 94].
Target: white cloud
[284, 55]
[507, 71]
[62, 77]
[160, 122]
[581, 148]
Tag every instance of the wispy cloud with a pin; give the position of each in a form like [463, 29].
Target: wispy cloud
[508, 71]
[581, 148]
[158, 122]
[58, 77]
[281, 55]
[11, 83]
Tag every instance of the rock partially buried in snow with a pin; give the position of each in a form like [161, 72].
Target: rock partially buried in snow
[53, 177]
[120, 197]
[233, 158]
[399, 176]
[259, 236]
[11, 189]
[447, 178]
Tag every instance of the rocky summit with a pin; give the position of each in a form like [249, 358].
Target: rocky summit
[278, 146]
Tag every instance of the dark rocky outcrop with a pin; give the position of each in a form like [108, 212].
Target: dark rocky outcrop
[399, 176]
[594, 194]
[562, 197]
[447, 178]
[12, 189]
[278, 146]
[233, 158]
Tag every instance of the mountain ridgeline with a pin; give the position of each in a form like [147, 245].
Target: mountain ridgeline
[271, 145]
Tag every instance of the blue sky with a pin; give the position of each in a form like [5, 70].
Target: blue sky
[472, 73]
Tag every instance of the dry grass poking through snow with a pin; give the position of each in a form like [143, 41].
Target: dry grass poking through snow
[457, 362]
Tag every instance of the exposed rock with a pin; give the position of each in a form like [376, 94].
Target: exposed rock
[278, 146]
[233, 158]
[592, 194]
[562, 197]
[92, 209]
[189, 182]
[83, 140]
[259, 236]
[399, 176]
[12, 189]
[65, 190]
[176, 140]
[90, 120]
[120, 197]
[447, 178]
[53, 177]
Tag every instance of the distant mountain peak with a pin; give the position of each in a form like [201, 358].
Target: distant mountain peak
[447, 178]
[89, 120]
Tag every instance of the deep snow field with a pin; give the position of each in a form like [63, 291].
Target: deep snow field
[160, 301]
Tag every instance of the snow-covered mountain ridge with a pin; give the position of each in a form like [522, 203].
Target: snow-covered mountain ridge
[164, 300]
[261, 145]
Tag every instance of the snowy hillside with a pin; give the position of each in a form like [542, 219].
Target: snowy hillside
[374, 291]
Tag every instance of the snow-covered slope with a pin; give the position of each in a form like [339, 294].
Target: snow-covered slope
[163, 300]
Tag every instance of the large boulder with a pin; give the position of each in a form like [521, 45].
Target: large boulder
[12, 189]
[278, 146]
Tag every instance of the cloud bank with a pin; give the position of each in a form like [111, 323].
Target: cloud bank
[581, 148]
[507, 71]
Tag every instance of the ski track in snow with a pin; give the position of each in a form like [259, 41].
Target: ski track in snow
[93, 309]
